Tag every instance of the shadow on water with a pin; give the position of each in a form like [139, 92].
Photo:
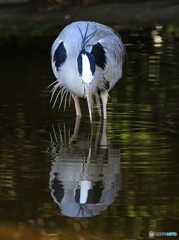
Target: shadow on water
[122, 175]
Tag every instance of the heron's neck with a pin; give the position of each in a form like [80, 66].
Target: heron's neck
[86, 69]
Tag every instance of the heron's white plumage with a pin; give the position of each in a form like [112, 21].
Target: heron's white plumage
[87, 75]
[100, 41]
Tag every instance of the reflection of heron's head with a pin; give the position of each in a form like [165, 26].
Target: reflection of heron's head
[84, 194]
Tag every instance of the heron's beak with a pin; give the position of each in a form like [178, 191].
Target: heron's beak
[89, 98]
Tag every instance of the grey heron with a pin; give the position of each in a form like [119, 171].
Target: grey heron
[87, 59]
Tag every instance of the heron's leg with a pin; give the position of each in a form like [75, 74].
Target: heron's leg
[77, 105]
[104, 140]
[104, 98]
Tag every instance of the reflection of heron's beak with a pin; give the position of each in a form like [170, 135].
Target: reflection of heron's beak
[89, 98]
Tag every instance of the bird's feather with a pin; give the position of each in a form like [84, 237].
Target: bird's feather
[97, 39]
[99, 55]
[59, 56]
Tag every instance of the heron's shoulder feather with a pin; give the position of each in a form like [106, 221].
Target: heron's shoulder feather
[59, 55]
[99, 54]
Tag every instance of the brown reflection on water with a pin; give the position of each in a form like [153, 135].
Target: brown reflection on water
[143, 124]
[28, 233]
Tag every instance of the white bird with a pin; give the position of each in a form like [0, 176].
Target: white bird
[87, 59]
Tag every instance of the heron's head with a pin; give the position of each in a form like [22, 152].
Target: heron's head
[86, 68]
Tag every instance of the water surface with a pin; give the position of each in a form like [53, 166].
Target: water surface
[130, 163]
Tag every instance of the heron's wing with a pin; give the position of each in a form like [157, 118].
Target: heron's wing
[109, 53]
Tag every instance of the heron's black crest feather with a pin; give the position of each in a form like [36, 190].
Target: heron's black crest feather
[86, 38]
[59, 55]
[99, 55]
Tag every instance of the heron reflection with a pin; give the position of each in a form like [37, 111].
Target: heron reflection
[85, 174]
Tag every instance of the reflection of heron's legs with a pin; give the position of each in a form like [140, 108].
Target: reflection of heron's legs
[98, 133]
[103, 141]
[77, 126]
[104, 126]
[87, 165]
[76, 129]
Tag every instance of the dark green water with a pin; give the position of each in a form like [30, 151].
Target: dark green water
[131, 161]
